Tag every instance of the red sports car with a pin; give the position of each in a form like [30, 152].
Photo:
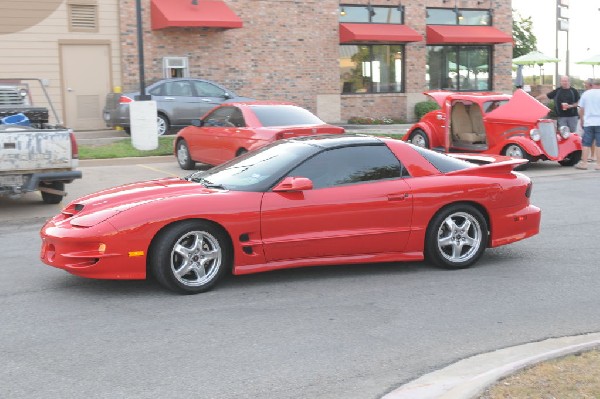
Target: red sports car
[232, 129]
[495, 123]
[309, 201]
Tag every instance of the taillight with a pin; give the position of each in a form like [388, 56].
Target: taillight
[528, 190]
[74, 148]
[125, 100]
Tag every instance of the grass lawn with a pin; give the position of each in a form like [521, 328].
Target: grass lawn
[124, 149]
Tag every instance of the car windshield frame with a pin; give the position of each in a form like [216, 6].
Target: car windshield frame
[256, 171]
[284, 115]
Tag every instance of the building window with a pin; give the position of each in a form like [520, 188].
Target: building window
[175, 67]
[459, 68]
[371, 68]
[83, 16]
[371, 14]
[457, 16]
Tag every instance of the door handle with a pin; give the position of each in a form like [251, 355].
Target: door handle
[170, 98]
[397, 197]
[206, 100]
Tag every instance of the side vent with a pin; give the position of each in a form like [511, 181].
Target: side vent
[83, 17]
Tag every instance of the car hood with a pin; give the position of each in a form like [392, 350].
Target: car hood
[521, 108]
[97, 207]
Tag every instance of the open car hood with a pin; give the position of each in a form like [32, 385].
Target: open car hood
[520, 108]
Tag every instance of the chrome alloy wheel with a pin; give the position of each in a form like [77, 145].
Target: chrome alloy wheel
[196, 258]
[182, 153]
[162, 125]
[459, 237]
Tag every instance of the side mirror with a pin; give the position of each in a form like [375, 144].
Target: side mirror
[294, 184]
[197, 122]
[227, 96]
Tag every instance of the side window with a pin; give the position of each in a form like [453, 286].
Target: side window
[350, 165]
[220, 117]
[236, 118]
[156, 91]
[179, 88]
[205, 89]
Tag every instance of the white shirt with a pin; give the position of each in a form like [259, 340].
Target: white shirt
[590, 102]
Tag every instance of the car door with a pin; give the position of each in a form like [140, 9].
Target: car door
[209, 142]
[359, 205]
[175, 99]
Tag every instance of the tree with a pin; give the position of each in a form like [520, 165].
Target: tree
[524, 39]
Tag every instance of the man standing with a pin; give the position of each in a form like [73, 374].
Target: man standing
[589, 111]
[565, 103]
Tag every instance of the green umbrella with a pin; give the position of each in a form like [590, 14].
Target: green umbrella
[535, 58]
[593, 61]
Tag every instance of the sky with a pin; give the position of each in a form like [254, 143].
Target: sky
[584, 42]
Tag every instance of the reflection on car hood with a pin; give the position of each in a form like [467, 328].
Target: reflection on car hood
[130, 195]
[520, 108]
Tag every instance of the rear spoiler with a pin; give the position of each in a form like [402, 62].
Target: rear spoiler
[488, 164]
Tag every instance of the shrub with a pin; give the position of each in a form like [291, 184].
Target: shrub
[423, 107]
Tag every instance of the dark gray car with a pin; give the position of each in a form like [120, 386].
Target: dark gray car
[178, 102]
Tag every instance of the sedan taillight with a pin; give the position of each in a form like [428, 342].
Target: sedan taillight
[125, 100]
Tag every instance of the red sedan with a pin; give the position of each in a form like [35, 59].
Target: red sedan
[310, 201]
[232, 129]
[495, 123]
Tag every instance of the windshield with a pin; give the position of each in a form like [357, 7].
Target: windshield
[284, 115]
[257, 170]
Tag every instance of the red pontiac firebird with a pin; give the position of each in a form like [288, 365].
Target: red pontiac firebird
[308, 201]
[232, 129]
[495, 123]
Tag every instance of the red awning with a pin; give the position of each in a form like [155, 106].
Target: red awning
[378, 33]
[182, 13]
[453, 34]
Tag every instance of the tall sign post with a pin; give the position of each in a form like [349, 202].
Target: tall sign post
[562, 24]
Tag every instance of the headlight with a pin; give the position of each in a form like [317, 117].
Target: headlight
[535, 134]
[564, 132]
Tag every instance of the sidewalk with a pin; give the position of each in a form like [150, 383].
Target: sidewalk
[470, 377]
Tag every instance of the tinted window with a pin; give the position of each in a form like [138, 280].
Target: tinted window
[205, 89]
[284, 115]
[349, 165]
[220, 117]
[257, 170]
[443, 162]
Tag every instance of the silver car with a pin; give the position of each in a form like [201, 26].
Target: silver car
[178, 102]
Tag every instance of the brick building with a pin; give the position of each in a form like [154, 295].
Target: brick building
[338, 58]
[356, 58]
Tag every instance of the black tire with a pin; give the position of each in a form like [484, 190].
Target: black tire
[190, 257]
[516, 151]
[456, 237]
[184, 159]
[419, 138]
[163, 124]
[572, 159]
[50, 198]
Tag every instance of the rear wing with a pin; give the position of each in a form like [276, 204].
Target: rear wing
[488, 164]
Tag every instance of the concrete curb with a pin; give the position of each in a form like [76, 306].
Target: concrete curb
[470, 377]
